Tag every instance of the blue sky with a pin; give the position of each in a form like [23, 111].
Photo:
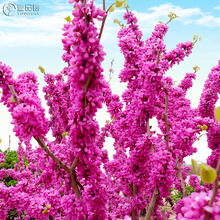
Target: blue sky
[27, 41]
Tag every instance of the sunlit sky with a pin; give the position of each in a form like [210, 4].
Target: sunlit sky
[27, 41]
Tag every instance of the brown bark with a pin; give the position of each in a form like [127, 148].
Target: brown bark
[40, 141]
[134, 212]
[215, 190]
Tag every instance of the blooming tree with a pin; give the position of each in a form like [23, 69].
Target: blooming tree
[62, 178]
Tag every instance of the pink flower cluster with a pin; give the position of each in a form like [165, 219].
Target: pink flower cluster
[195, 207]
[146, 163]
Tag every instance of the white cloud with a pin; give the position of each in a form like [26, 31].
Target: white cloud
[149, 19]
[49, 22]
[44, 30]
[217, 8]
[209, 21]
[29, 39]
[165, 9]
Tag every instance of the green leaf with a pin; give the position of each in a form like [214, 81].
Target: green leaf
[12, 99]
[120, 4]
[208, 174]
[217, 114]
[68, 19]
[204, 127]
[65, 134]
[112, 8]
[41, 69]
[45, 211]
[195, 166]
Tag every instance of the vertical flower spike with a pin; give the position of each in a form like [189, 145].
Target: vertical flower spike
[84, 55]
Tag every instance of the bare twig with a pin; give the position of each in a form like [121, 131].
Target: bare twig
[85, 15]
[103, 5]
[14, 94]
[103, 21]
[149, 135]
[158, 57]
[110, 72]
[200, 137]
[9, 146]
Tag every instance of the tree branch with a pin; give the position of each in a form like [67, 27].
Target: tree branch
[180, 177]
[9, 146]
[73, 167]
[214, 190]
[156, 190]
[85, 15]
[179, 173]
[158, 57]
[166, 119]
[103, 5]
[152, 203]
[14, 94]
[47, 150]
[149, 135]
[103, 21]
[163, 215]
[75, 186]
[86, 86]
[134, 212]
[39, 140]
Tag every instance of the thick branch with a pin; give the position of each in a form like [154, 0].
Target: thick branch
[73, 167]
[47, 150]
[214, 190]
[156, 190]
[180, 177]
[134, 212]
[62, 165]
[86, 86]
[163, 215]
[179, 173]
[166, 119]
[39, 140]
[74, 185]
[152, 203]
